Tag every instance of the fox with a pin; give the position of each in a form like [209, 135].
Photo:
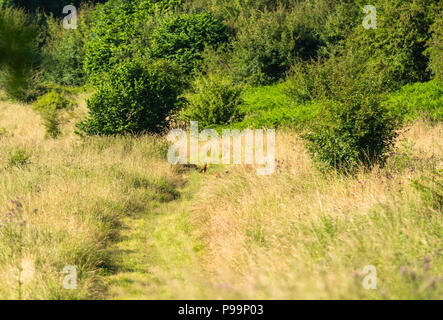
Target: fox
[204, 168]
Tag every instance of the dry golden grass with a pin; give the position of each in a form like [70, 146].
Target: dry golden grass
[298, 233]
[303, 234]
[72, 195]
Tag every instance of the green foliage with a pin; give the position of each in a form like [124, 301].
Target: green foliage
[49, 106]
[51, 122]
[303, 80]
[183, 38]
[268, 42]
[49, 6]
[233, 9]
[18, 158]
[270, 107]
[214, 100]
[391, 55]
[418, 100]
[334, 21]
[64, 50]
[356, 130]
[396, 48]
[133, 98]
[118, 32]
[327, 78]
[52, 100]
[435, 47]
[270, 34]
[352, 126]
[18, 52]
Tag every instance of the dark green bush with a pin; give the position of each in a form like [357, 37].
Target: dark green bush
[393, 54]
[397, 46]
[352, 126]
[435, 47]
[268, 42]
[334, 21]
[351, 131]
[357, 132]
[184, 38]
[18, 52]
[214, 100]
[134, 98]
[303, 80]
[326, 78]
[118, 32]
[64, 50]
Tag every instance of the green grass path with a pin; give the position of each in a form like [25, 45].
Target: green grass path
[156, 251]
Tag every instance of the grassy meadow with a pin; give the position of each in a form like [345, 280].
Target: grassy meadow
[137, 227]
[91, 208]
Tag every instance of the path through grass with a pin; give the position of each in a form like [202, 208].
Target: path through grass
[156, 248]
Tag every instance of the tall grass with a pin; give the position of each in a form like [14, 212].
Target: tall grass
[299, 233]
[69, 197]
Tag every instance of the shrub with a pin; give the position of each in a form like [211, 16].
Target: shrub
[397, 46]
[231, 10]
[134, 98]
[267, 41]
[352, 126]
[214, 100]
[184, 38]
[18, 52]
[64, 50]
[49, 106]
[117, 33]
[266, 45]
[51, 122]
[356, 130]
[52, 100]
[334, 21]
[326, 78]
[302, 80]
[389, 56]
[392, 54]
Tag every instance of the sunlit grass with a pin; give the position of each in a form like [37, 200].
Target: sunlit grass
[137, 227]
[73, 194]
